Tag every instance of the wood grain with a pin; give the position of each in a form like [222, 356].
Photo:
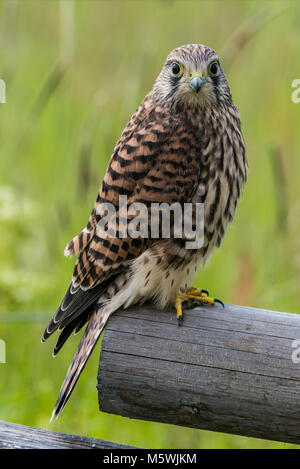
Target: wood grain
[228, 370]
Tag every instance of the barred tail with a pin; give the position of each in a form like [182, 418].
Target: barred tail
[89, 339]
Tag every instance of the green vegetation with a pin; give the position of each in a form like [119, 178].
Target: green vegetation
[55, 142]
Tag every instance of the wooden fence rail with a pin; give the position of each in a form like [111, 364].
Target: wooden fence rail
[233, 370]
[13, 436]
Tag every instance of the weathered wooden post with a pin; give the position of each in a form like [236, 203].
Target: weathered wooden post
[231, 370]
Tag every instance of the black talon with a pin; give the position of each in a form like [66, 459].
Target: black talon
[205, 291]
[219, 301]
[180, 320]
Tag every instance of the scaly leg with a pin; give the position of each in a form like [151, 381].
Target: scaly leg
[198, 297]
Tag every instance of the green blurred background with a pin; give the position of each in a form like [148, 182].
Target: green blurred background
[75, 72]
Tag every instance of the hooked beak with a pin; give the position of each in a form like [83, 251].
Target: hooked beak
[196, 83]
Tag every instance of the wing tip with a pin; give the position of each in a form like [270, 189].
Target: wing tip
[45, 336]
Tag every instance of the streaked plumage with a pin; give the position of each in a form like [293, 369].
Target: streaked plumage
[181, 145]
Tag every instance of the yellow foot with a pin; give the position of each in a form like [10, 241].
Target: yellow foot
[195, 297]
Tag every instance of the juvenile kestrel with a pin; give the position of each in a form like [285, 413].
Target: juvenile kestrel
[182, 145]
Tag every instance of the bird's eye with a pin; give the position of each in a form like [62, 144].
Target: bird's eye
[214, 68]
[176, 69]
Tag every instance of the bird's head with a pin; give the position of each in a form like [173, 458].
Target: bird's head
[192, 77]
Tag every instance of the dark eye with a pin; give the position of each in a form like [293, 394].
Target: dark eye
[176, 69]
[214, 69]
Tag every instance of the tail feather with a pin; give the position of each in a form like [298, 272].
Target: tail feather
[89, 339]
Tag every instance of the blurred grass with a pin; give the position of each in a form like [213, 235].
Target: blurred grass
[53, 161]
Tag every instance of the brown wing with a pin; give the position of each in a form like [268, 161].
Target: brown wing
[155, 160]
